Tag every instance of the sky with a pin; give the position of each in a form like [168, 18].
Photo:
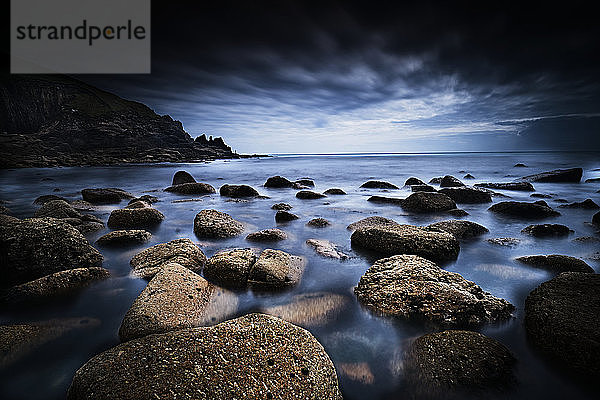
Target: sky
[331, 77]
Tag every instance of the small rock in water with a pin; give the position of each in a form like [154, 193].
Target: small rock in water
[285, 216]
[133, 218]
[267, 235]
[450, 181]
[138, 204]
[587, 239]
[278, 182]
[587, 204]
[305, 182]
[436, 180]
[238, 191]
[318, 223]
[540, 195]
[281, 206]
[504, 241]
[413, 181]
[105, 195]
[326, 248]
[520, 165]
[371, 222]
[467, 195]
[57, 209]
[426, 202]
[191, 188]
[309, 195]
[518, 209]
[468, 176]
[545, 230]
[150, 261]
[334, 191]
[556, 263]
[181, 177]
[378, 185]
[216, 224]
[517, 186]
[124, 237]
[422, 188]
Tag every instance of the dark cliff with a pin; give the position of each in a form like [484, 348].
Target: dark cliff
[57, 120]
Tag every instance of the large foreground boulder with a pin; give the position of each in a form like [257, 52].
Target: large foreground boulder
[134, 218]
[276, 269]
[426, 202]
[238, 191]
[408, 239]
[460, 229]
[150, 261]
[410, 286]
[176, 298]
[216, 224]
[467, 195]
[105, 195]
[562, 317]
[521, 209]
[454, 363]
[191, 188]
[517, 186]
[557, 175]
[36, 247]
[255, 357]
[556, 263]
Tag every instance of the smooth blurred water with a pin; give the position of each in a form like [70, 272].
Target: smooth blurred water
[357, 336]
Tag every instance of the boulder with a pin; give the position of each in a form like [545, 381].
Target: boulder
[230, 268]
[281, 206]
[318, 223]
[524, 210]
[450, 181]
[310, 309]
[57, 209]
[46, 198]
[378, 185]
[455, 364]
[133, 218]
[410, 286]
[425, 202]
[596, 219]
[517, 186]
[36, 247]
[238, 191]
[191, 188]
[408, 239]
[520, 165]
[150, 261]
[267, 235]
[467, 195]
[412, 181]
[374, 221]
[305, 182]
[53, 285]
[278, 182]
[556, 263]
[386, 200]
[422, 188]
[436, 181]
[587, 204]
[275, 269]
[545, 230]
[309, 195]
[181, 177]
[255, 357]
[460, 229]
[216, 224]
[146, 198]
[468, 176]
[334, 191]
[561, 320]
[557, 175]
[457, 212]
[124, 238]
[105, 195]
[176, 298]
[138, 204]
[326, 248]
[285, 216]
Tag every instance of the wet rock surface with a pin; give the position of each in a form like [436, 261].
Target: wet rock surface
[378, 185]
[504, 241]
[133, 218]
[267, 235]
[238, 191]
[334, 191]
[230, 268]
[254, 356]
[460, 229]
[450, 181]
[326, 248]
[562, 318]
[557, 175]
[318, 223]
[467, 195]
[556, 263]
[408, 239]
[181, 177]
[105, 195]
[176, 298]
[276, 269]
[425, 202]
[410, 286]
[150, 261]
[519, 209]
[216, 224]
[124, 237]
[281, 206]
[455, 363]
[278, 182]
[309, 195]
[518, 186]
[191, 188]
[372, 222]
[310, 309]
[37, 247]
[285, 216]
[546, 230]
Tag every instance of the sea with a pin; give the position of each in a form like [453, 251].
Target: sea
[366, 348]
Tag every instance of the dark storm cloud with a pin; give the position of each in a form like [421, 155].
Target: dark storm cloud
[350, 76]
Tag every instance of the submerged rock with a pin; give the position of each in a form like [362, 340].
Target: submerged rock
[309, 195]
[334, 191]
[132, 218]
[216, 224]
[267, 235]
[556, 263]
[326, 248]
[545, 230]
[276, 269]
[124, 237]
[425, 202]
[557, 175]
[278, 182]
[517, 186]
[587, 204]
[467, 195]
[318, 223]
[36, 247]
[56, 284]
[451, 363]
[181, 177]
[378, 185]
[519, 209]
[176, 298]
[230, 268]
[310, 309]
[150, 261]
[562, 318]
[191, 188]
[281, 206]
[450, 181]
[410, 286]
[105, 195]
[238, 191]
[408, 239]
[285, 216]
[235, 359]
[372, 222]
[460, 229]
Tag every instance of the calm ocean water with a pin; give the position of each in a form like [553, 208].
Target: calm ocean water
[357, 336]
